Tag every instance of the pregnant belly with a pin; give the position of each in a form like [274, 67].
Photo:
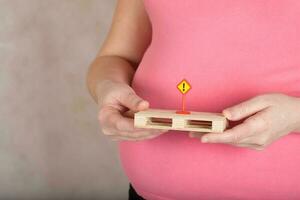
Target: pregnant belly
[174, 166]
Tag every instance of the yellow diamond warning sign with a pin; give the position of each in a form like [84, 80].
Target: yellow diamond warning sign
[184, 86]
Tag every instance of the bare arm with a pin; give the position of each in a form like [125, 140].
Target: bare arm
[123, 49]
[110, 75]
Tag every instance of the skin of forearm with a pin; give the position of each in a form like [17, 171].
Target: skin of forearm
[298, 111]
[112, 68]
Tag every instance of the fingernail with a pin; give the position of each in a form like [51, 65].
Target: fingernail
[227, 114]
[143, 104]
[204, 140]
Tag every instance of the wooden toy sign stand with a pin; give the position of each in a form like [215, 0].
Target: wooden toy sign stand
[181, 120]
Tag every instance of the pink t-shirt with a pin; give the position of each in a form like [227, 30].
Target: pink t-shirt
[230, 51]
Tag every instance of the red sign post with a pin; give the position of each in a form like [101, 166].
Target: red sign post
[184, 87]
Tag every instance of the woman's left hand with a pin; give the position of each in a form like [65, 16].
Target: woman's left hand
[268, 117]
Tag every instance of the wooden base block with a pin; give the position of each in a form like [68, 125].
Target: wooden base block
[170, 120]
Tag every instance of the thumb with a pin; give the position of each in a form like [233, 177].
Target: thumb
[246, 109]
[134, 102]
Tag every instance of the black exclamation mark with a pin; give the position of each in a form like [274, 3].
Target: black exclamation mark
[183, 89]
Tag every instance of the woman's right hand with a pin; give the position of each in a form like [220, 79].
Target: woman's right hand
[116, 100]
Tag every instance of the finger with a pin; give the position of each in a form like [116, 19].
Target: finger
[196, 135]
[132, 137]
[111, 118]
[129, 114]
[111, 130]
[133, 102]
[249, 146]
[250, 127]
[123, 138]
[241, 145]
[246, 108]
[233, 135]
[261, 139]
[143, 133]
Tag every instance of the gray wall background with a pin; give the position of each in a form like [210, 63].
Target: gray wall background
[50, 140]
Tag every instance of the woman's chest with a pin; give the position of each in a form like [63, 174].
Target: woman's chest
[243, 17]
[238, 26]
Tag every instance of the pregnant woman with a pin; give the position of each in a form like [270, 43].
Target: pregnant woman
[242, 58]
